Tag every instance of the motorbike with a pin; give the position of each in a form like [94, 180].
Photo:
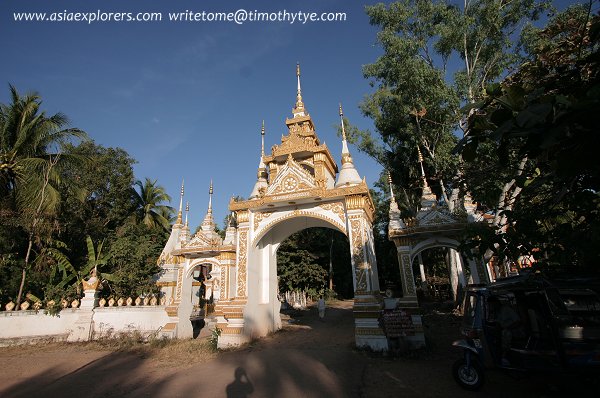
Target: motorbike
[527, 324]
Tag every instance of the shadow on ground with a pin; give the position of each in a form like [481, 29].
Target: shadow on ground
[309, 358]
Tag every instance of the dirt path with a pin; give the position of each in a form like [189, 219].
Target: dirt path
[309, 358]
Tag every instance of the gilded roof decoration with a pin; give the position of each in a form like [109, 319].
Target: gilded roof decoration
[291, 178]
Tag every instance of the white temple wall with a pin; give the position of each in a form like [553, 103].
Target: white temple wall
[169, 278]
[113, 320]
[24, 326]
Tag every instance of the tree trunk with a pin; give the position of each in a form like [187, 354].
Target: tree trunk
[36, 219]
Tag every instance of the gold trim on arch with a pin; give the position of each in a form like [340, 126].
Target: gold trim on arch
[296, 214]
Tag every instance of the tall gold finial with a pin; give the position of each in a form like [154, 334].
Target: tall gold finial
[426, 189]
[179, 214]
[299, 109]
[342, 121]
[391, 186]
[262, 134]
[346, 157]
[210, 193]
[420, 155]
[187, 210]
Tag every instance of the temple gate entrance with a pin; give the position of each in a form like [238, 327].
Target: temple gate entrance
[297, 187]
[433, 226]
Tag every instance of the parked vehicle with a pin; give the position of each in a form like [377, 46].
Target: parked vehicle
[527, 324]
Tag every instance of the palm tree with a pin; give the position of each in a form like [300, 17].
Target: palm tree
[30, 142]
[149, 209]
[31, 163]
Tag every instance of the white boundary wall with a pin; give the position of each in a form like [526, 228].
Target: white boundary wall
[29, 326]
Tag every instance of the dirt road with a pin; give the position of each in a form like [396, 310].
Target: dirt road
[309, 358]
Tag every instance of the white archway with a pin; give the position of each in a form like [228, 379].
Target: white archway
[263, 302]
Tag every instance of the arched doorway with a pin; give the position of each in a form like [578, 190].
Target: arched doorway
[263, 301]
[440, 272]
[315, 260]
[203, 292]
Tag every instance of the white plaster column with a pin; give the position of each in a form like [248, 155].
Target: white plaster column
[83, 326]
[462, 279]
[422, 268]
[452, 272]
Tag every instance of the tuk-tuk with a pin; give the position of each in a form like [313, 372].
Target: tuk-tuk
[527, 323]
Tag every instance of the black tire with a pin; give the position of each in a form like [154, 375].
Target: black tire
[470, 378]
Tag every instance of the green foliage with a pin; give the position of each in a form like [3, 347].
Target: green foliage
[149, 209]
[31, 152]
[213, 340]
[54, 192]
[102, 200]
[303, 262]
[133, 254]
[385, 250]
[537, 132]
[417, 100]
[298, 270]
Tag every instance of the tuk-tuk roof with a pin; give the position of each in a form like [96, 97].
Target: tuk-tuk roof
[533, 281]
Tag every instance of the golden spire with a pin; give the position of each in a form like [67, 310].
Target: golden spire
[391, 186]
[262, 146]
[346, 157]
[180, 205]
[428, 198]
[210, 193]
[348, 174]
[187, 210]
[261, 176]
[421, 164]
[342, 120]
[299, 108]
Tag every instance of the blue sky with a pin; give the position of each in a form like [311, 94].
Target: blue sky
[186, 99]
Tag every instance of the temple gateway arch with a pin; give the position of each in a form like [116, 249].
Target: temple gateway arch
[296, 188]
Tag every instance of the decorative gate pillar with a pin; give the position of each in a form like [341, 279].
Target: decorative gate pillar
[409, 297]
[231, 312]
[367, 300]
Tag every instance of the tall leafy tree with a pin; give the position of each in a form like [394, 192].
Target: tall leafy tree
[421, 86]
[100, 199]
[31, 159]
[133, 254]
[31, 151]
[542, 123]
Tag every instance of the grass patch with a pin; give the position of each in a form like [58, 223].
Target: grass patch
[178, 352]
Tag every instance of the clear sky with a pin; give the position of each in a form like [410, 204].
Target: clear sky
[186, 99]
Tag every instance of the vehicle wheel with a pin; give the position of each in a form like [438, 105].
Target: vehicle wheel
[468, 377]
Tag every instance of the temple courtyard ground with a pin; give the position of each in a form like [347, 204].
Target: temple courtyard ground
[308, 358]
